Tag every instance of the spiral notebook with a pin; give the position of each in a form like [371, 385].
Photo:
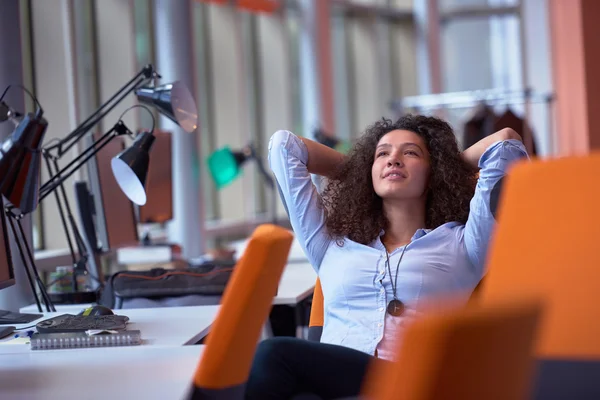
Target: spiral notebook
[74, 340]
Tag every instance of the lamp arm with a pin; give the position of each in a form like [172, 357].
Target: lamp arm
[28, 261]
[263, 171]
[62, 175]
[65, 144]
[270, 182]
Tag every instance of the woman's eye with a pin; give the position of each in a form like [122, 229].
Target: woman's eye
[381, 153]
[411, 153]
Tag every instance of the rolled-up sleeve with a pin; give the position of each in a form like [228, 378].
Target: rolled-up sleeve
[288, 158]
[493, 165]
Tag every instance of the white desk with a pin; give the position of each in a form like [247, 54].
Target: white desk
[172, 326]
[296, 284]
[162, 368]
[296, 253]
[108, 373]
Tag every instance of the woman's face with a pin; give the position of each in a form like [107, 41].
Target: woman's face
[400, 166]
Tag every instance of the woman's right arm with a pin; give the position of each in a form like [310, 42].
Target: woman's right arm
[322, 160]
[292, 160]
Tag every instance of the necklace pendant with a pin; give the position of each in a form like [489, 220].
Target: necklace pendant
[395, 308]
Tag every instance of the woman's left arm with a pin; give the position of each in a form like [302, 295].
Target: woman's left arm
[493, 156]
[474, 153]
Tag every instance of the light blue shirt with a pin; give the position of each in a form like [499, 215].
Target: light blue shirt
[354, 278]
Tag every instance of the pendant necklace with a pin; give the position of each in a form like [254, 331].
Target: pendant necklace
[395, 307]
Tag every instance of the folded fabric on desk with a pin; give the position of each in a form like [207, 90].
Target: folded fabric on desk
[209, 278]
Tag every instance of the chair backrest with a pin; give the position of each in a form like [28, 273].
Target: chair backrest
[547, 243]
[226, 361]
[317, 314]
[471, 353]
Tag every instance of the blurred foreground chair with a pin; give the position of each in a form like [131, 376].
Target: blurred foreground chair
[466, 354]
[547, 243]
[226, 361]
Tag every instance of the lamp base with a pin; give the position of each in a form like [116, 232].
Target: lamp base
[74, 297]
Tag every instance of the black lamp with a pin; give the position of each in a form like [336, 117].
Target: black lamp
[20, 162]
[21, 154]
[130, 167]
[173, 100]
[20, 165]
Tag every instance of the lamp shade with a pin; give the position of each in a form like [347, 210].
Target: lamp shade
[130, 168]
[20, 163]
[173, 100]
[225, 165]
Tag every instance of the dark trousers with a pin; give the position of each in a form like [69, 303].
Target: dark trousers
[285, 367]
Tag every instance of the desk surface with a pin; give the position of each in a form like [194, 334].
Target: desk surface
[296, 284]
[108, 373]
[296, 253]
[298, 279]
[172, 326]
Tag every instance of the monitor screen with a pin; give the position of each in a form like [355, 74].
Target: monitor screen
[7, 275]
[159, 183]
[115, 214]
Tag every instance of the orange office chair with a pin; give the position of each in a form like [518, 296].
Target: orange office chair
[470, 354]
[317, 314]
[226, 361]
[547, 243]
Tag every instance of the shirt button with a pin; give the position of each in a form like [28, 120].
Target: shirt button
[382, 290]
[382, 271]
[381, 309]
[380, 325]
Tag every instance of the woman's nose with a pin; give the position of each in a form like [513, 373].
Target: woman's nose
[395, 161]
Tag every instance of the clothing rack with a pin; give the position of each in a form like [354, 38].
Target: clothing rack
[471, 98]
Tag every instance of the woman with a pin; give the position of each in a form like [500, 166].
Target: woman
[403, 217]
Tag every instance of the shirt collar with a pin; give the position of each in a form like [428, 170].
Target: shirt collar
[418, 234]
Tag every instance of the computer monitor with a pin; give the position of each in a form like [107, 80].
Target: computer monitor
[115, 215]
[159, 183]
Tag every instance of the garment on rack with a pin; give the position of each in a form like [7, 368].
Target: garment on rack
[510, 120]
[480, 125]
[484, 121]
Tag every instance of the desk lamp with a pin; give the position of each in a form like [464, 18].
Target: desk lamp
[20, 165]
[129, 167]
[225, 166]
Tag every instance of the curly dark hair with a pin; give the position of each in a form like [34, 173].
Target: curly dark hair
[354, 210]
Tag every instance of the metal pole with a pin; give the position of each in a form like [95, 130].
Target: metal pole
[174, 59]
[315, 69]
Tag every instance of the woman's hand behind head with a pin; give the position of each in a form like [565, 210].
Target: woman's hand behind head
[474, 153]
